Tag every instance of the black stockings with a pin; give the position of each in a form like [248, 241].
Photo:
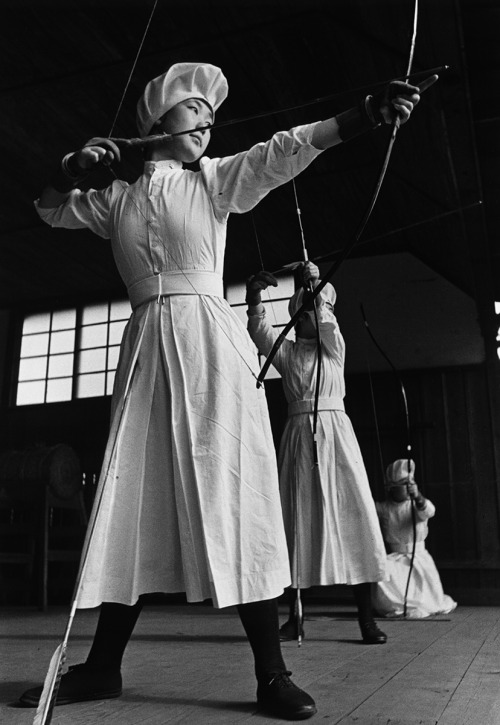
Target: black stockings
[114, 629]
[260, 622]
[362, 597]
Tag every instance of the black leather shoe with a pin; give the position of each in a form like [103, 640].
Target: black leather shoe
[80, 683]
[372, 634]
[289, 631]
[280, 697]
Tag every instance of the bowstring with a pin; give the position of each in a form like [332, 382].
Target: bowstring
[350, 246]
[132, 71]
[129, 196]
[413, 513]
[261, 259]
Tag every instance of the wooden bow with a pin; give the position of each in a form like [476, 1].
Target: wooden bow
[352, 243]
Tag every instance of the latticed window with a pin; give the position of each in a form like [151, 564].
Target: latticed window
[72, 353]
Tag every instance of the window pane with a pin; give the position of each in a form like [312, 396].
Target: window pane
[241, 312]
[63, 319]
[59, 389]
[62, 341]
[61, 366]
[113, 354]
[33, 368]
[36, 323]
[116, 332]
[110, 381]
[35, 345]
[94, 336]
[235, 293]
[120, 310]
[277, 311]
[92, 360]
[89, 386]
[95, 313]
[285, 288]
[29, 393]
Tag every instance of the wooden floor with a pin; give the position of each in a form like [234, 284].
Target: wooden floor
[192, 664]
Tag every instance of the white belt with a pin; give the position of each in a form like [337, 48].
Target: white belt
[187, 282]
[298, 407]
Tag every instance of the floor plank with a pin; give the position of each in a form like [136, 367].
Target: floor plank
[192, 664]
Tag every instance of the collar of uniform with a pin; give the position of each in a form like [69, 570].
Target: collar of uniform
[162, 165]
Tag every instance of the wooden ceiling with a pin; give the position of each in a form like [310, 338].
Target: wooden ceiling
[66, 66]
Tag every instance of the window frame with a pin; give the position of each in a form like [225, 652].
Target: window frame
[78, 309]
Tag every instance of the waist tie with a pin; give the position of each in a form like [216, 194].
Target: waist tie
[298, 407]
[405, 548]
[190, 282]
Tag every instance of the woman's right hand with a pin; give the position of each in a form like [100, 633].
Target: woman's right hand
[97, 150]
[256, 283]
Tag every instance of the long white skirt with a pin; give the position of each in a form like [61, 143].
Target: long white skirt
[189, 496]
[332, 527]
[425, 592]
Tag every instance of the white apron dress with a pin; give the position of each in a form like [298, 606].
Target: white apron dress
[331, 524]
[425, 592]
[189, 485]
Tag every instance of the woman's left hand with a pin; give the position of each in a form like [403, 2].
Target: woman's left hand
[399, 99]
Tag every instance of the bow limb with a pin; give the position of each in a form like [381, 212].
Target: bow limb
[398, 378]
[351, 244]
[408, 451]
[336, 264]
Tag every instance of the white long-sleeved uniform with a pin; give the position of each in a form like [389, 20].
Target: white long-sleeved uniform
[190, 498]
[425, 591]
[331, 524]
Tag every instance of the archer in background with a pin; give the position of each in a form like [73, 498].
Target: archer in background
[332, 529]
[413, 587]
[188, 497]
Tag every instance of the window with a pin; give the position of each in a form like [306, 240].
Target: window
[274, 299]
[101, 332]
[70, 353]
[47, 357]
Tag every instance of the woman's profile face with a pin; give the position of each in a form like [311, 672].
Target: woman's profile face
[192, 113]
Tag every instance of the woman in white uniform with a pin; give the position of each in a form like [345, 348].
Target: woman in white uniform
[413, 587]
[190, 500]
[331, 524]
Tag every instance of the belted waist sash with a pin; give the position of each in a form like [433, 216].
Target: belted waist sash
[405, 548]
[187, 282]
[298, 407]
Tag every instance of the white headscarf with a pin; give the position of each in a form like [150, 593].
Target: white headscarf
[397, 473]
[328, 294]
[180, 82]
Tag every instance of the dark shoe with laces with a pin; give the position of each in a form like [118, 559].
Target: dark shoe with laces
[80, 683]
[279, 696]
[290, 630]
[371, 633]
